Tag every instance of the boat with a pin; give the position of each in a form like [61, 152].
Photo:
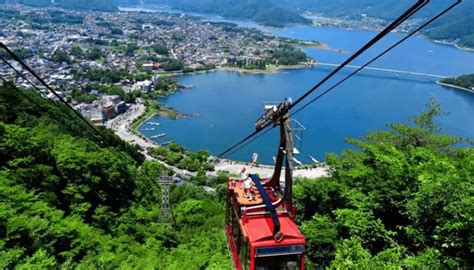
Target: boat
[153, 123]
[166, 143]
[147, 129]
[313, 159]
[297, 161]
[158, 136]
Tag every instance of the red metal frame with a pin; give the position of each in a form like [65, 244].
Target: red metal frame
[255, 226]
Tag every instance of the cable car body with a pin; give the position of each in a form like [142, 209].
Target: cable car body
[261, 229]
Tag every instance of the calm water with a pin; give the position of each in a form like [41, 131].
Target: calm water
[228, 103]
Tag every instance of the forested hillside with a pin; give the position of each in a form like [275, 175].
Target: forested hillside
[264, 12]
[98, 5]
[66, 202]
[456, 26]
[403, 200]
[464, 81]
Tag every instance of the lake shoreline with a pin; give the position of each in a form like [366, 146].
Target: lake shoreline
[455, 87]
[158, 8]
[271, 70]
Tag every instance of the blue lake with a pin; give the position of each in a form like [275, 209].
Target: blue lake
[228, 103]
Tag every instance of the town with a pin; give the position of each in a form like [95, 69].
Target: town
[100, 61]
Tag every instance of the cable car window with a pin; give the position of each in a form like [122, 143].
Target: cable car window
[279, 250]
[236, 232]
[245, 256]
[289, 262]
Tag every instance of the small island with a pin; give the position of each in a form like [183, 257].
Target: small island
[464, 82]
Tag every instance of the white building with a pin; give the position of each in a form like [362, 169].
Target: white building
[148, 67]
[144, 86]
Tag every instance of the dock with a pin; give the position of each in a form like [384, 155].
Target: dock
[161, 135]
[166, 143]
[313, 159]
[297, 161]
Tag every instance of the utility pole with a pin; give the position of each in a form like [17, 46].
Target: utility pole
[166, 213]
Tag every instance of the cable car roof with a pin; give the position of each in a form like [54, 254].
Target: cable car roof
[259, 231]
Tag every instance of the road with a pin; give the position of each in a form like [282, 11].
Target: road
[121, 126]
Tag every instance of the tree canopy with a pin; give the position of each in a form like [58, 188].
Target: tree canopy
[402, 200]
[465, 81]
[68, 202]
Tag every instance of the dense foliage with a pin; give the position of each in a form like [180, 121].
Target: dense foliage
[98, 5]
[173, 65]
[288, 55]
[105, 76]
[40, 22]
[264, 12]
[403, 200]
[465, 81]
[178, 156]
[160, 49]
[66, 202]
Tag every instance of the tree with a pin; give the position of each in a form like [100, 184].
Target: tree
[173, 65]
[160, 49]
[77, 51]
[68, 202]
[116, 31]
[60, 57]
[399, 201]
[94, 54]
[130, 49]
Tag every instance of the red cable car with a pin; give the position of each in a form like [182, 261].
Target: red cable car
[260, 218]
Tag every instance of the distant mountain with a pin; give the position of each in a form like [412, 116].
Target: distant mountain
[261, 11]
[456, 26]
[97, 5]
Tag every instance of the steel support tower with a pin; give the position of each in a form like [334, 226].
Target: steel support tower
[166, 213]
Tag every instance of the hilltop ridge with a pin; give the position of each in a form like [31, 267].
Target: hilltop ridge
[96, 5]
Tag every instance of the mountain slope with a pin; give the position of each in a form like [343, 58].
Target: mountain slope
[67, 203]
[456, 26]
[402, 201]
[264, 12]
[96, 5]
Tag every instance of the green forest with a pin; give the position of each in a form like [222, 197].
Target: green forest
[98, 5]
[465, 81]
[403, 199]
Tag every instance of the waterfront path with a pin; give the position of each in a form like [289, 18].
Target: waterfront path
[265, 171]
[121, 126]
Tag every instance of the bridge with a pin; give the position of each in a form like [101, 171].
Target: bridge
[386, 70]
